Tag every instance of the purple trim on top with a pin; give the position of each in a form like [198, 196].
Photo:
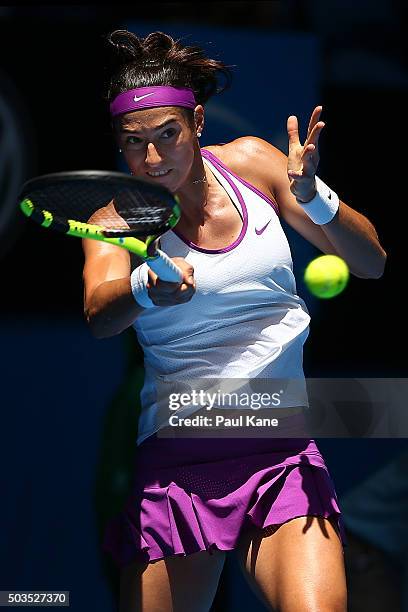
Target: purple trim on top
[244, 223]
[215, 160]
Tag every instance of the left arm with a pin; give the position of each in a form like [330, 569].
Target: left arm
[351, 233]
[356, 241]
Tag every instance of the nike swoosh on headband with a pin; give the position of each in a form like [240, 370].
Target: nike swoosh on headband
[137, 99]
[260, 231]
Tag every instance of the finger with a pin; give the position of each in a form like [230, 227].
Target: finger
[189, 280]
[293, 131]
[300, 176]
[294, 161]
[310, 162]
[295, 175]
[314, 119]
[308, 152]
[310, 158]
[314, 135]
[152, 277]
[186, 268]
[184, 288]
[308, 172]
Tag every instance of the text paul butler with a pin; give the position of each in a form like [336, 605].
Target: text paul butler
[222, 421]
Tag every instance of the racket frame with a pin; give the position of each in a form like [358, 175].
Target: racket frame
[79, 229]
[148, 249]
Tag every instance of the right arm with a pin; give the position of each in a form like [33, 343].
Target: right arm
[109, 305]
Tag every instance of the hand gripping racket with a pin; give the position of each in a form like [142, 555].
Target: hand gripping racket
[109, 206]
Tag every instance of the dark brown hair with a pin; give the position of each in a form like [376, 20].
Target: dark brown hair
[158, 59]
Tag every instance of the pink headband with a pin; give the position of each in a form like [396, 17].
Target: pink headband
[148, 97]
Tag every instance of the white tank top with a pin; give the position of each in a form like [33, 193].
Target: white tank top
[245, 319]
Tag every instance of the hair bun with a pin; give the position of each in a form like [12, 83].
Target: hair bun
[127, 46]
[158, 43]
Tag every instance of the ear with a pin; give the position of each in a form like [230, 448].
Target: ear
[199, 119]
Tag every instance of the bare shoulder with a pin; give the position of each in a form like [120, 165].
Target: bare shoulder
[254, 159]
[245, 149]
[265, 166]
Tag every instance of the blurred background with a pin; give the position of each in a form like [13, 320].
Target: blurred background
[69, 402]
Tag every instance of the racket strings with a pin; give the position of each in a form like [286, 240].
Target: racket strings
[115, 209]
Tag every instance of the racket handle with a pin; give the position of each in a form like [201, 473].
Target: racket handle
[165, 268]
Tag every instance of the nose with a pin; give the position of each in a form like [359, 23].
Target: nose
[152, 155]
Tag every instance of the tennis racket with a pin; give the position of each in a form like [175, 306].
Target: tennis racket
[109, 206]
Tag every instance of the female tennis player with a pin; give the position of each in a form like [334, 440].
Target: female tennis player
[270, 501]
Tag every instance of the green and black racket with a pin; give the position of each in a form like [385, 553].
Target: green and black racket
[109, 206]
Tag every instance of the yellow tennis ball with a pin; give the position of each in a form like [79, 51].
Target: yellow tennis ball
[326, 276]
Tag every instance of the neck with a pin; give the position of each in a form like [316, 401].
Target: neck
[193, 195]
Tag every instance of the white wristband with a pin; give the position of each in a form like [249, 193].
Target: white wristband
[138, 281]
[323, 207]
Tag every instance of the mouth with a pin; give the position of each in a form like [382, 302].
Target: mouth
[159, 174]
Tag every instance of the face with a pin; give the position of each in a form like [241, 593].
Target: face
[158, 144]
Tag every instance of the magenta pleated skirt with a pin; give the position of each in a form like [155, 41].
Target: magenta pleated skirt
[195, 494]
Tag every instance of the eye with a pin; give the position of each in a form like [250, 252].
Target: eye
[168, 133]
[133, 140]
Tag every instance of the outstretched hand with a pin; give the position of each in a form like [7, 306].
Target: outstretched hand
[304, 159]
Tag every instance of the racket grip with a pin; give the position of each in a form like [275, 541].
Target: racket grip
[165, 268]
